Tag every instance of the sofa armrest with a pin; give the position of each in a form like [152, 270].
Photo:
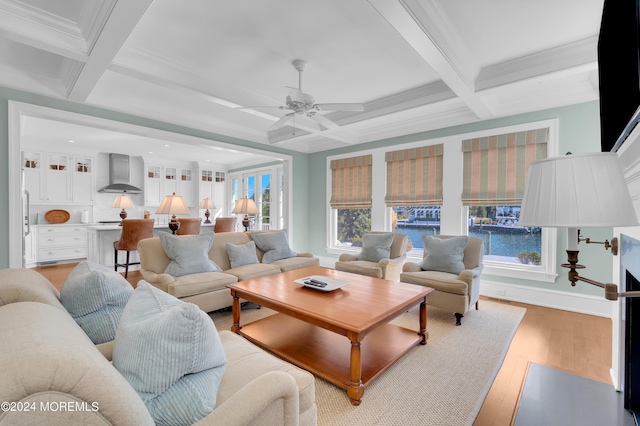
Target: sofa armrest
[153, 278]
[275, 391]
[391, 268]
[346, 257]
[304, 254]
[411, 267]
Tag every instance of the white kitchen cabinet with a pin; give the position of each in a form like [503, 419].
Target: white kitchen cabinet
[32, 165]
[166, 179]
[57, 179]
[61, 242]
[212, 185]
[30, 249]
[83, 180]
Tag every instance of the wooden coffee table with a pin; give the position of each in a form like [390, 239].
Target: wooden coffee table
[310, 325]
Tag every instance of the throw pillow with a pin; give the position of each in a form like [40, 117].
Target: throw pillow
[95, 296]
[240, 255]
[444, 254]
[189, 254]
[274, 245]
[171, 354]
[376, 247]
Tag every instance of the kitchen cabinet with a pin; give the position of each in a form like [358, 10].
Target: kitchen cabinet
[162, 180]
[30, 249]
[212, 185]
[54, 178]
[61, 242]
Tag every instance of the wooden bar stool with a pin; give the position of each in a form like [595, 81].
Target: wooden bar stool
[189, 225]
[225, 224]
[133, 230]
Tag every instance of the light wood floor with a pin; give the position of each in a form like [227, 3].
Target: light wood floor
[576, 343]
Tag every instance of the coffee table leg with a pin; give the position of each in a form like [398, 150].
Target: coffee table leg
[235, 310]
[356, 389]
[423, 322]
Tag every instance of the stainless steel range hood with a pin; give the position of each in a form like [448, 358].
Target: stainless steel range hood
[119, 173]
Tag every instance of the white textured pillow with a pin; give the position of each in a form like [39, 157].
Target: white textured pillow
[240, 255]
[376, 247]
[274, 245]
[189, 254]
[95, 296]
[444, 254]
[171, 354]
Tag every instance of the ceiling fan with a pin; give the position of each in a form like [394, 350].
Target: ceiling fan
[303, 104]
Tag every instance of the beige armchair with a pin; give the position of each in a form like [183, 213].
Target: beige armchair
[388, 268]
[453, 292]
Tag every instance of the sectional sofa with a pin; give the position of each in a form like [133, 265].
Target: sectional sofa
[52, 372]
[232, 253]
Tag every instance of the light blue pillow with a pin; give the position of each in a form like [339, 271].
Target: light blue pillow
[244, 254]
[274, 245]
[444, 254]
[376, 247]
[171, 354]
[189, 254]
[95, 296]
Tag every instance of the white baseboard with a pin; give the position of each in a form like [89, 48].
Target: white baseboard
[567, 301]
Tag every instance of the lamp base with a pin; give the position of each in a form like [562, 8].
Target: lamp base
[174, 224]
[207, 214]
[245, 223]
[123, 215]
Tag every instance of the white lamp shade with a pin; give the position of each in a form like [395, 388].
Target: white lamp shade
[207, 203]
[173, 204]
[122, 202]
[245, 206]
[583, 190]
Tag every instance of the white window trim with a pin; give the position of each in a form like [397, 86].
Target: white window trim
[452, 207]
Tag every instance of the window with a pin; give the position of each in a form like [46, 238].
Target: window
[456, 202]
[494, 173]
[351, 198]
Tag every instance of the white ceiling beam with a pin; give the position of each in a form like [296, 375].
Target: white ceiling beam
[123, 19]
[422, 24]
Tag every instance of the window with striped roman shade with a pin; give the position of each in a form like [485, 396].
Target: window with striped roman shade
[414, 177]
[351, 183]
[495, 167]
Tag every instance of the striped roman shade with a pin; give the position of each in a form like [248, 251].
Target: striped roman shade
[351, 183]
[495, 167]
[414, 177]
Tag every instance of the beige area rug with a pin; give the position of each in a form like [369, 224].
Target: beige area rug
[442, 383]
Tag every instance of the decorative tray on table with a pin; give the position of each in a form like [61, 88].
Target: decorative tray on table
[322, 283]
[57, 216]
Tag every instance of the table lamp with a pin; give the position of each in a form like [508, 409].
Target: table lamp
[245, 206]
[575, 191]
[122, 202]
[173, 205]
[207, 203]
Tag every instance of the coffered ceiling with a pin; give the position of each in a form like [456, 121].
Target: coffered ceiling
[415, 65]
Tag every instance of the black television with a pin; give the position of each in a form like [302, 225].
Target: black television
[619, 72]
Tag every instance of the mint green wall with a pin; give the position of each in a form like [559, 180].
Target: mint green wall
[579, 131]
[300, 161]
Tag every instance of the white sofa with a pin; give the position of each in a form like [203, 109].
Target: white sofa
[208, 289]
[53, 374]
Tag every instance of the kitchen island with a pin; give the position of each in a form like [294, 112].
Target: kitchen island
[100, 240]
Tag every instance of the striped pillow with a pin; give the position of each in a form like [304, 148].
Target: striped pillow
[171, 354]
[95, 296]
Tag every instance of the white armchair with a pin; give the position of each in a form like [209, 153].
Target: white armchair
[386, 268]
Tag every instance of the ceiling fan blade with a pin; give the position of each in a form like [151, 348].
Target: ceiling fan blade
[263, 107]
[340, 107]
[280, 122]
[323, 120]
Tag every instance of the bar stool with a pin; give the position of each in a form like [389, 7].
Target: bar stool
[225, 224]
[189, 226]
[133, 230]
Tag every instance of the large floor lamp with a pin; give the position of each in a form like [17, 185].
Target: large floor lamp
[579, 191]
[245, 206]
[173, 205]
